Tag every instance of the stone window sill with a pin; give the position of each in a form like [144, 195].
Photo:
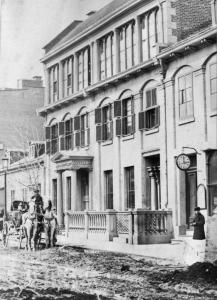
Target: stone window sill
[152, 131]
[106, 143]
[186, 121]
[213, 113]
[128, 137]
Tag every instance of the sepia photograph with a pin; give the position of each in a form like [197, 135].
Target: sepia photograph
[108, 149]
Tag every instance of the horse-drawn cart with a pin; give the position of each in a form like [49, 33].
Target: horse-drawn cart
[11, 223]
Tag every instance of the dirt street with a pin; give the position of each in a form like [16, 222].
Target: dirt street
[76, 273]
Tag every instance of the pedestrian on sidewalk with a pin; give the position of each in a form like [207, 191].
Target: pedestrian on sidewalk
[198, 223]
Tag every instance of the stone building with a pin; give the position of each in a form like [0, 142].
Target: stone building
[127, 91]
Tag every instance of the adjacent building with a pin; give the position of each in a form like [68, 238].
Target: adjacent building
[127, 91]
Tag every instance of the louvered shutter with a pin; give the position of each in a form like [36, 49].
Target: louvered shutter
[47, 132]
[157, 114]
[133, 124]
[77, 123]
[118, 127]
[98, 133]
[77, 139]
[98, 115]
[48, 147]
[141, 120]
[88, 136]
[117, 108]
[61, 128]
[62, 143]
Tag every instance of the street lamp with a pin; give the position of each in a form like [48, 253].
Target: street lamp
[5, 167]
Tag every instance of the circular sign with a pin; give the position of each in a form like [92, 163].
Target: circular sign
[183, 161]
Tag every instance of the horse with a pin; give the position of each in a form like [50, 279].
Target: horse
[50, 226]
[32, 226]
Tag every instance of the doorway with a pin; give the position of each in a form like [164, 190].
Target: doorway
[191, 190]
[83, 183]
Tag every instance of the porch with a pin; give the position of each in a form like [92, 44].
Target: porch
[128, 227]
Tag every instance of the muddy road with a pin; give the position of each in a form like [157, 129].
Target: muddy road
[76, 273]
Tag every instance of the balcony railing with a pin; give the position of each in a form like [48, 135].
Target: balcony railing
[138, 226]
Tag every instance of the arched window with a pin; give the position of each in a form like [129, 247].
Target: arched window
[66, 133]
[213, 86]
[124, 111]
[52, 137]
[103, 121]
[149, 118]
[68, 67]
[81, 129]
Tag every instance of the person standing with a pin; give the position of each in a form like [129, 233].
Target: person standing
[198, 223]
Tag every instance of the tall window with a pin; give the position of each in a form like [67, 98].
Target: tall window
[150, 32]
[124, 111]
[84, 72]
[185, 96]
[130, 187]
[150, 117]
[213, 86]
[103, 119]
[127, 46]
[82, 131]
[109, 189]
[106, 53]
[54, 139]
[66, 134]
[53, 83]
[68, 76]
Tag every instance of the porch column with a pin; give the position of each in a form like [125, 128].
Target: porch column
[90, 204]
[60, 198]
[154, 200]
[73, 189]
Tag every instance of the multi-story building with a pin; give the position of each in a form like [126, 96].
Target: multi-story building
[128, 90]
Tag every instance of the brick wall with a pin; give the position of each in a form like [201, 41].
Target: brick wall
[192, 16]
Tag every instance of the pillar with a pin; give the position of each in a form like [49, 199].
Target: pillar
[60, 198]
[60, 80]
[73, 190]
[75, 72]
[117, 51]
[139, 40]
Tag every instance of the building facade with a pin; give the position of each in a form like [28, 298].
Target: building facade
[128, 90]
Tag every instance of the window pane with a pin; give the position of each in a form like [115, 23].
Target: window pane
[213, 86]
[129, 46]
[188, 94]
[144, 39]
[189, 108]
[80, 83]
[148, 99]
[214, 102]
[108, 56]
[213, 70]
[151, 33]
[182, 110]
[102, 60]
[154, 97]
[188, 81]
[122, 50]
[181, 83]
[85, 68]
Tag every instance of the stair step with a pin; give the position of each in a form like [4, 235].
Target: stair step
[120, 240]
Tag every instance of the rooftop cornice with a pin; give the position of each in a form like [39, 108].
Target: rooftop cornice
[94, 27]
[192, 43]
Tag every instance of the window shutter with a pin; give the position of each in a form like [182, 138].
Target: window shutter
[72, 141]
[77, 123]
[117, 108]
[157, 112]
[141, 120]
[62, 143]
[98, 133]
[48, 148]
[61, 128]
[88, 136]
[47, 132]
[77, 139]
[98, 115]
[71, 124]
[118, 127]
[133, 124]
[111, 130]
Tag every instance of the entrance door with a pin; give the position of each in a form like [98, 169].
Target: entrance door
[191, 195]
[84, 183]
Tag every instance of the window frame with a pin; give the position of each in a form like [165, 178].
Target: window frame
[84, 68]
[213, 110]
[104, 123]
[81, 130]
[108, 189]
[130, 179]
[184, 96]
[68, 70]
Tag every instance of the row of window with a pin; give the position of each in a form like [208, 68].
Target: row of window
[75, 132]
[78, 66]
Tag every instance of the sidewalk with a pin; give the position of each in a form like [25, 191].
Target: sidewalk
[180, 253]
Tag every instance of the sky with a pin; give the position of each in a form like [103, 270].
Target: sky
[26, 26]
